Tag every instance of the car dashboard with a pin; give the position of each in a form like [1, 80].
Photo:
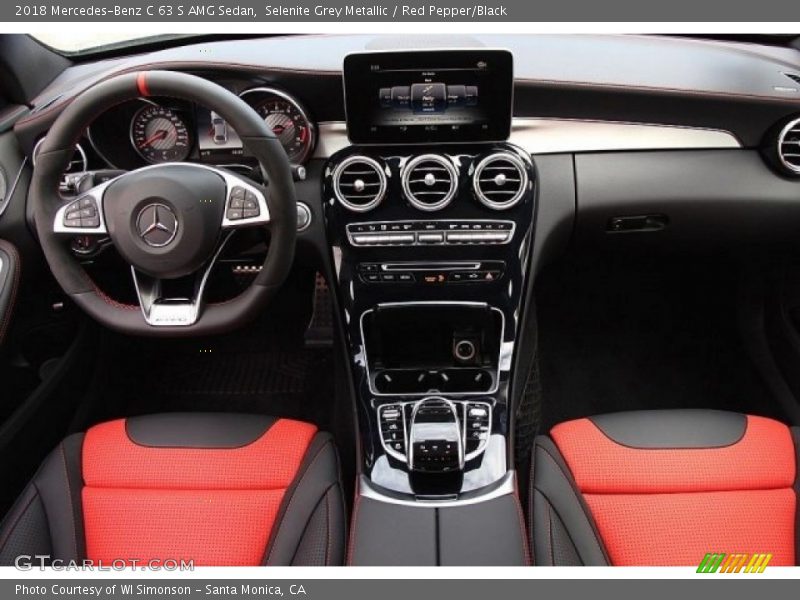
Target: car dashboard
[433, 184]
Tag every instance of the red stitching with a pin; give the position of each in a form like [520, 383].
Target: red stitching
[109, 300]
[169, 65]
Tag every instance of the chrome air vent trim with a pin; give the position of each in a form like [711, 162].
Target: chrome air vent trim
[359, 189]
[430, 181]
[500, 180]
[789, 146]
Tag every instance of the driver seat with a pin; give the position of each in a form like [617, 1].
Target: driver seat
[217, 489]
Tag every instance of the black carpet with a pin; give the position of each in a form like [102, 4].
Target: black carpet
[262, 368]
[625, 332]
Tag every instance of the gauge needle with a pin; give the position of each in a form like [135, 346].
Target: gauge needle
[158, 135]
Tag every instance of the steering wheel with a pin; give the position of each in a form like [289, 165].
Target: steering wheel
[169, 220]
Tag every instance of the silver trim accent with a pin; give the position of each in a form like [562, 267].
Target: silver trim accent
[302, 207]
[230, 179]
[312, 127]
[10, 191]
[470, 353]
[408, 169]
[456, 419]
[96, 193]
[78, 147]
[379, 238]
[453, 265]
[795, 124]
[173, 312]
[495, 383]
[552, 136]
[374, 164]
[489, 161]
[505, 487]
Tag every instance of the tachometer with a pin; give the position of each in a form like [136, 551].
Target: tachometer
[159, 135]
[287, 119]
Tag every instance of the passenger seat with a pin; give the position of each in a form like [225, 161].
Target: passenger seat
[664, 488]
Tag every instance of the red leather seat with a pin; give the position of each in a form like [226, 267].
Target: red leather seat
[218, 489]
[664, 488]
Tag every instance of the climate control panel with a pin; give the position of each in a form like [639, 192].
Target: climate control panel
[430, 233]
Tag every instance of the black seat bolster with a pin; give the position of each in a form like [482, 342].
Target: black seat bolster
[566, 536]
[310, 527]
[47, 518]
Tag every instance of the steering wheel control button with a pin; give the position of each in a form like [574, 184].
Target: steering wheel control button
[242, 204]
[82, 214]
[303, 216]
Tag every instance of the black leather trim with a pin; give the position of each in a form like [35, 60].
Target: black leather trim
[483, 534]
[675, 428]
[256, 137]
[59, 482]
[554, 489]
[197, 430]
[386, 534]
[24, 530]
[9, 284]
[318, 480]
[796, 438]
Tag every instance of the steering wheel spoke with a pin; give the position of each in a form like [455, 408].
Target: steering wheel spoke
[84, 215]
[162, 310]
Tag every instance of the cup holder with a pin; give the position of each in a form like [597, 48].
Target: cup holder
[431, 381]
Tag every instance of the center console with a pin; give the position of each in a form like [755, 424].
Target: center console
[430, 216]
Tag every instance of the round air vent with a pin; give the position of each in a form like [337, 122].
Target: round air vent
[359, 183]
[430, 182]
[500, 180]
[789, 146]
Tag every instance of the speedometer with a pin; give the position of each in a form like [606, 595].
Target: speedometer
[287, 119]
[159, 135]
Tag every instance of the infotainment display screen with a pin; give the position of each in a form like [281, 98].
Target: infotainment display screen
[429, 96]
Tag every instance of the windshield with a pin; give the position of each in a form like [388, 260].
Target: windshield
[71, 42]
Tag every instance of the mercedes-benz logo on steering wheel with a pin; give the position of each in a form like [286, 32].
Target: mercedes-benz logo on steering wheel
[157, 225]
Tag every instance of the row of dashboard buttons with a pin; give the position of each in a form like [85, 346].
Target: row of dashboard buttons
[439, 237]
[371, 273]
[412, 233]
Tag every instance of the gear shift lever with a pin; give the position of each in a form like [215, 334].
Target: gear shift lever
[435, 438]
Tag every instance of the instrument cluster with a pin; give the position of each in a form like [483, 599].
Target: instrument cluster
[158, 130]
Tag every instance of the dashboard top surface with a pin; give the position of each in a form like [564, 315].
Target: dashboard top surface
[665, 63]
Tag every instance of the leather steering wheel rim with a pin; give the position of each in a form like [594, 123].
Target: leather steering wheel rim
[256, 137]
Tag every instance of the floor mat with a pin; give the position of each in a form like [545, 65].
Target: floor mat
[262, 368]
[623, 333]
